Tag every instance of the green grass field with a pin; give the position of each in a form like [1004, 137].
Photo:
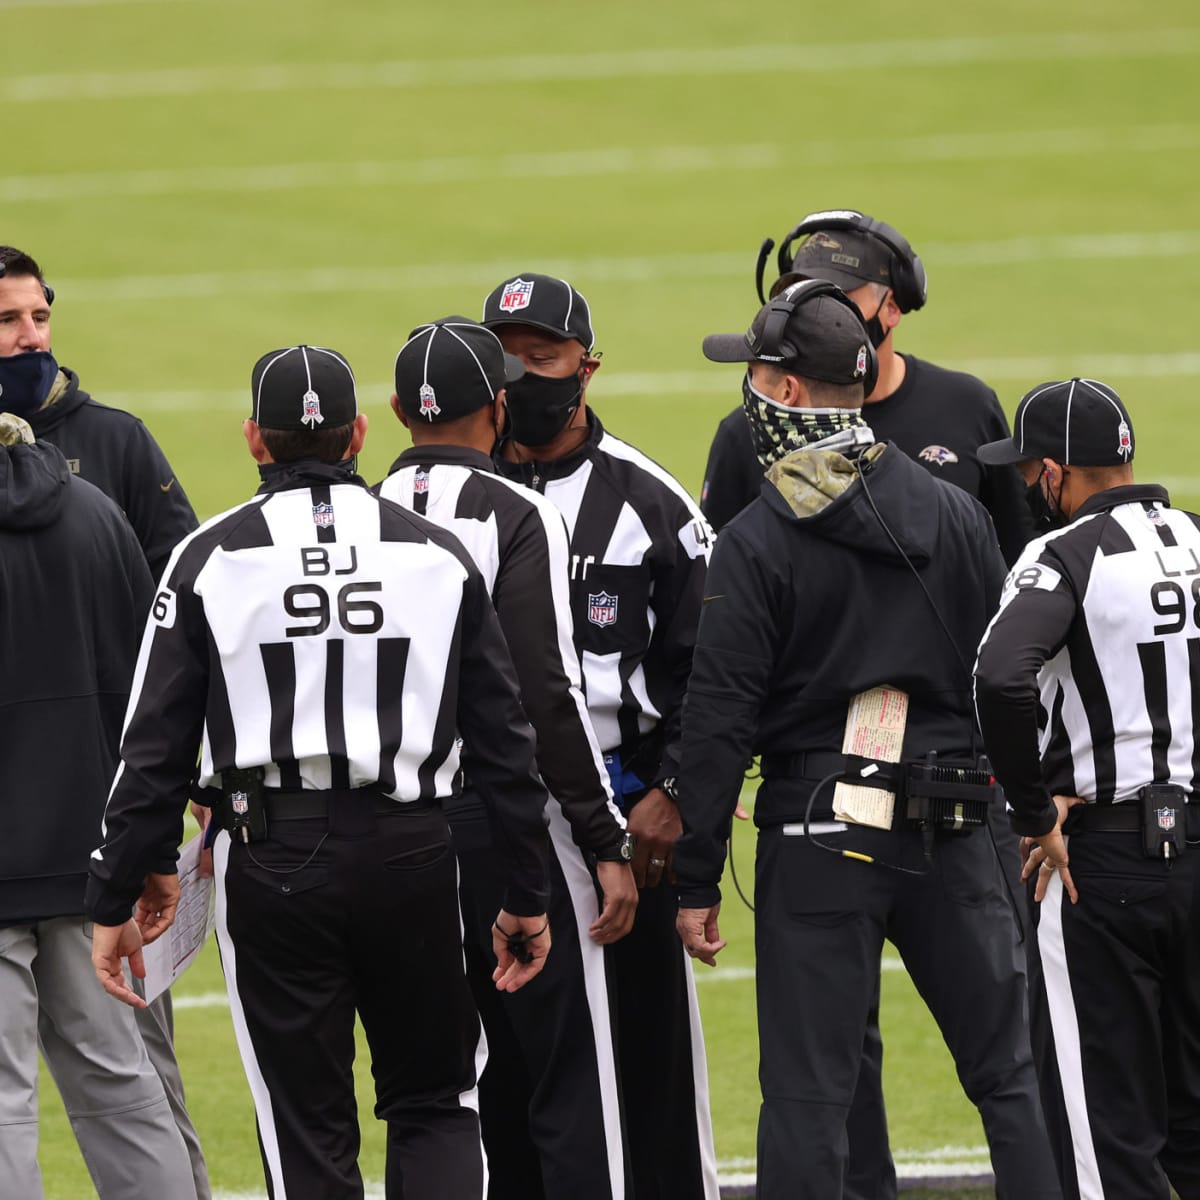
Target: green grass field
[204, 181]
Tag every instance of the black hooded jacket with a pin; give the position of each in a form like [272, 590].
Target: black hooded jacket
[74, 592]
[808, 603]
[114, 450]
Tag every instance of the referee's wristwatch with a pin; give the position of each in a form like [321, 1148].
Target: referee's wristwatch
[621, 851]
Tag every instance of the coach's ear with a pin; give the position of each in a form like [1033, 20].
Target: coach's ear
[254, 439]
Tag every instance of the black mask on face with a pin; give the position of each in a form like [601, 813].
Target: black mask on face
[874, 326]
[1046, 516]
[26, 380]
[540, 406]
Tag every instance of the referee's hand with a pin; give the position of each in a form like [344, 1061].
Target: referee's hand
[532, 934]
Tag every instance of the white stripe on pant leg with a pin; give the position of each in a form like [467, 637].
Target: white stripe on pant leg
[470, 1098]
[1064, 1021]
[582, 892]
[258, 1087]
[704, 1129]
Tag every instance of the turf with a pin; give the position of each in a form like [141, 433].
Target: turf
[205, 180]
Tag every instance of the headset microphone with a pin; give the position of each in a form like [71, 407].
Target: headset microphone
[764, 253]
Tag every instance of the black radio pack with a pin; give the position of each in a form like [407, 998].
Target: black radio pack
[243, 806]
[1164, 821]
[943, 794]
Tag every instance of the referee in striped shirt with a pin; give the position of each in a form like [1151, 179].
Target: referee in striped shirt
[322, 648]
[639, 553]
[551, 1127]
[1088, 691]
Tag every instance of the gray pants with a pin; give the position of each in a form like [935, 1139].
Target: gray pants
[156, 1024]
[49, 995]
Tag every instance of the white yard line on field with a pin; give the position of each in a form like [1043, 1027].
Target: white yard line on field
[712, 382]
[716, 975]
[946, 1162]
[78, 186]
[652, 63]
[592, 271]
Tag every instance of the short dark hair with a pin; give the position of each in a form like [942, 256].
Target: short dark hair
[822, 393]
[833, 395]
[325, 445]
[17, 262]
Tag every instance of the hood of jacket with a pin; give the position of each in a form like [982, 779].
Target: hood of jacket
[831, 496]
[34, 479]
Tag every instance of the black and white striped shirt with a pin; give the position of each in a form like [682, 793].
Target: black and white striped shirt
[639, 553]
[518, 541]
[1088, 678]
[337, 641]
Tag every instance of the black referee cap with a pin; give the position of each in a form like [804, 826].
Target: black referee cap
[544, 302]
[451, 368]
[1078, 422]
[303, 387]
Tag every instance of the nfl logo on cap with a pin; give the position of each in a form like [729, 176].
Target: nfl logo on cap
[311, 415]
[429, 404]
[516, 295]
[860, 363]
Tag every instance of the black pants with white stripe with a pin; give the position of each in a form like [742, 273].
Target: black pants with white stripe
[820, 925]
[316, 924]
[549, 1103]
[664, 1072]
[1115, 984]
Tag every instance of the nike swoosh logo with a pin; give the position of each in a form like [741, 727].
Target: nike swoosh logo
[166, 487]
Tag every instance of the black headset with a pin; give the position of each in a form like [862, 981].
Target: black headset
[47, 290]
[909, 283]
[770, 346]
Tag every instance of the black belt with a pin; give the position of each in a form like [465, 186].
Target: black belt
[1104, 818]
[806, 764]
[308, 804]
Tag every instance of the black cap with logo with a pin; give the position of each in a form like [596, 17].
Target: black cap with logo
[451, 368]
[1077, 422]
[842, 256]
[821, 337]
[303, 387]
[544, 302]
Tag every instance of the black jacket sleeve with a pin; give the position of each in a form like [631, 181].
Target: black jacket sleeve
[1037, 607]
[731, 671]
[1003, 493]
[154, 499]
[533, 604]
[500, 745]
[158, 748]
[733, 475]
[676, 601]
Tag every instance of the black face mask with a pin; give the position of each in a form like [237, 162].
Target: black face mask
[26, 380]
[1046, 517]
[874, 326]
[539, 407]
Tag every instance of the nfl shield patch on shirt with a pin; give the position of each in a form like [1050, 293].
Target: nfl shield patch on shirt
[602, 609]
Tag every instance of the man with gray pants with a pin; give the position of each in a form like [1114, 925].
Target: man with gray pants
[68, 640]
[115, 452]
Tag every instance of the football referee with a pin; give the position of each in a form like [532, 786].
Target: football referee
[1088, 690]
[548, 1102]
[322, 649]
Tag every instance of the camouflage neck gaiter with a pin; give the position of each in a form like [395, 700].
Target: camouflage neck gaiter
[779, 430]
